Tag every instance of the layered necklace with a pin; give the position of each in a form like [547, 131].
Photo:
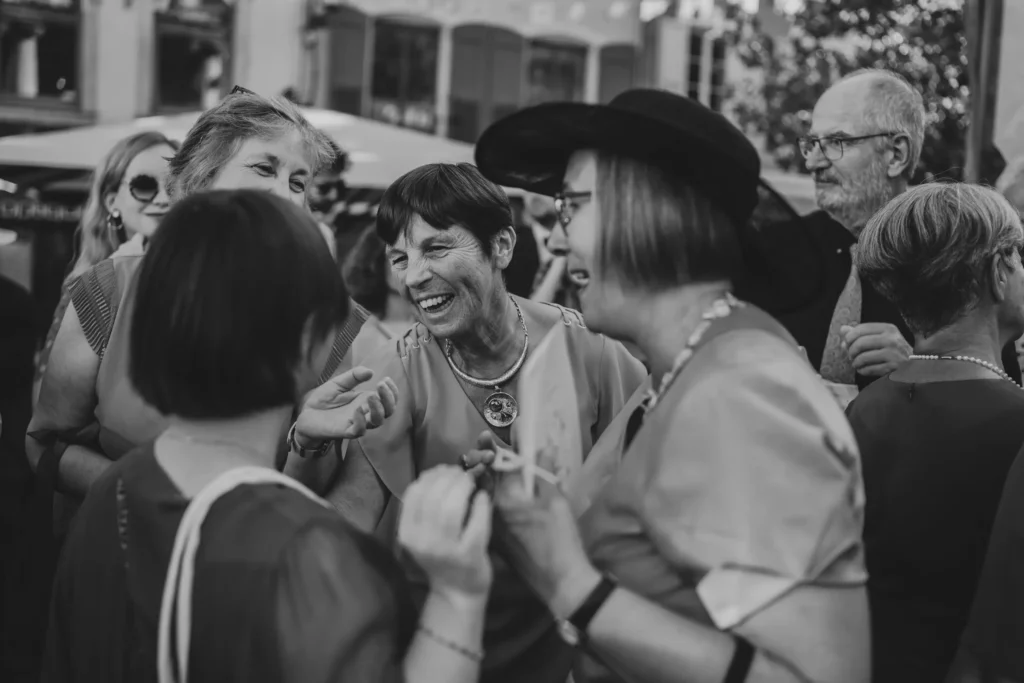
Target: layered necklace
[969, 359]
[720, 308]
[500, 408]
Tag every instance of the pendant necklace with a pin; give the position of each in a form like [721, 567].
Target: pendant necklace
[500, 408]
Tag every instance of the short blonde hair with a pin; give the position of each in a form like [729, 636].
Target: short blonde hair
[220, 131]
[657, 231]
[929, 250]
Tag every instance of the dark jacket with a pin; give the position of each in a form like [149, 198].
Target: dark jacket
[803, 267]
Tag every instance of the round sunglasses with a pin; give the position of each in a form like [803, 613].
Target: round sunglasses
[144, 188]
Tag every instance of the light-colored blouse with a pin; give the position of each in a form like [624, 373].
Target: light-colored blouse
[743, 483]
[435, 423]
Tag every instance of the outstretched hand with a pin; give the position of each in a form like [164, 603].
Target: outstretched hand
[335, 410]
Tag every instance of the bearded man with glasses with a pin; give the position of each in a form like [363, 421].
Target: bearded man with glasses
[862, 149]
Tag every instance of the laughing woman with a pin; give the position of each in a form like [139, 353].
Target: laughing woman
[449, 235]
[726, 546]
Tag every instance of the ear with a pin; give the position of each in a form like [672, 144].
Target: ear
[503, 245]
[108, 201]
[999, 277]
[899, 156]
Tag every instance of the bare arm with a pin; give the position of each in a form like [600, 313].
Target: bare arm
[67, 401]
[457, 619]
[811, 634]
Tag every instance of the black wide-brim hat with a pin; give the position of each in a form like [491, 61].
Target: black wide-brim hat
[531, 148]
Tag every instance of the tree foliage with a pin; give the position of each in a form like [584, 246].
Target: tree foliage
[924, 40]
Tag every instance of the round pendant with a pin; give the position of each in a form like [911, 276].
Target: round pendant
[500, 409]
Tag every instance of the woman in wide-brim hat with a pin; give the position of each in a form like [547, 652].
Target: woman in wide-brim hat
[726, 545]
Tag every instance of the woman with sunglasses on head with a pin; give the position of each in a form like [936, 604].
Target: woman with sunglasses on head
[726, 546]
[280, 588]
[88, 414]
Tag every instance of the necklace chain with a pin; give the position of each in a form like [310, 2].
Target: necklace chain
[720, 308]
[219, 443]
[497, 381]
[969, 359]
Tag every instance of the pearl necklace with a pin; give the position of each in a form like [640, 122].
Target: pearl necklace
[969, 359]
[720, 308]
[500, 408]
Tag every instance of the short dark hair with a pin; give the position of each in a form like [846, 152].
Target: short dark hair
[444, 195]
[929, 251]
[228, 285]
[658, 230]
[366, 272]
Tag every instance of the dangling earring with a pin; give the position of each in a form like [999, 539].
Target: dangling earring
[115, 224]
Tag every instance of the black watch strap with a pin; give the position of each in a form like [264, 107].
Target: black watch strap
[584, 614]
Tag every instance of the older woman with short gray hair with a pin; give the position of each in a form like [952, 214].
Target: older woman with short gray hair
[938, 435]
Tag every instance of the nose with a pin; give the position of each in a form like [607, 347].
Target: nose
[162, 199]
[281, 189]
[816, 160]
[558, 241]
[416, 274]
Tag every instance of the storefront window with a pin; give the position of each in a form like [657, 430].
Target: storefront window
[404, 88]
[39, 49]
[192, 44]
[555, 72]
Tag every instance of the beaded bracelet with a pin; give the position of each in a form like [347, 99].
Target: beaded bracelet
[473, 655]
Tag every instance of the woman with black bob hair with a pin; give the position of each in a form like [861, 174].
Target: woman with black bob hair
[726, 546]
[279, 587]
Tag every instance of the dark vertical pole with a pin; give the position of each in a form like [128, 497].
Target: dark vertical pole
[984, 19]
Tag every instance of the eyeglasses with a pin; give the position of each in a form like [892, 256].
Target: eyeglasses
[144, 188]
[239, 90]
[833, 146]
[566, 204]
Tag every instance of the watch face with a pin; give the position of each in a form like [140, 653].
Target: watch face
[568, 632]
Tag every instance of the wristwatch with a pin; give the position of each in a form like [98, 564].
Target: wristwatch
[318, 452]
[574, 629]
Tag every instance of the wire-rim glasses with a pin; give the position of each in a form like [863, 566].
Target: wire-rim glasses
[832, 147]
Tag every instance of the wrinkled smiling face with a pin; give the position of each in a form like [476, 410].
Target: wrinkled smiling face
[447, 276]
[850, 189]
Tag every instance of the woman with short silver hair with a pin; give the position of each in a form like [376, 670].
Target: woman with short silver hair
[938, 435]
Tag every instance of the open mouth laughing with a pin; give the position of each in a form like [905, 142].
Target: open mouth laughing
[579, 277]
[436, 304]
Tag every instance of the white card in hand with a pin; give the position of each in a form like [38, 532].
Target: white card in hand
[549, 418]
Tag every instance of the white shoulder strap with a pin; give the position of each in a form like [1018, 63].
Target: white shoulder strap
[172, 667]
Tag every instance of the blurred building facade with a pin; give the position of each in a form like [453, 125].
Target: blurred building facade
[447, 67]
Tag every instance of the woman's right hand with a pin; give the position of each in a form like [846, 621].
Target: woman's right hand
[335, 410]
[435, 531]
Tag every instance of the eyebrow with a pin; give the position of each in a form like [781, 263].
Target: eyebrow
[276, 161]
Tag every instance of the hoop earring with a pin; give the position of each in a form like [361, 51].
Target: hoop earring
[116, 225]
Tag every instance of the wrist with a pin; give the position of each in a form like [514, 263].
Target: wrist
[458, 602]
[303, 440]
[572, 589]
